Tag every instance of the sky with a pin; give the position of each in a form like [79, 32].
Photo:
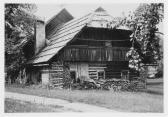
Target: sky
[46, 11]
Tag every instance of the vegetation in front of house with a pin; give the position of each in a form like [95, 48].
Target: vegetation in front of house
[149, 101]
[146, 47]
[19, 29]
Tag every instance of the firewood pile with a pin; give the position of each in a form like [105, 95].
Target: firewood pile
[111, 85]
[115, 84]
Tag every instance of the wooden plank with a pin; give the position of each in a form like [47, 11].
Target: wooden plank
[58, 84]
[91, 39]
[56, 81]
[54, 70]
[95, 70]
[57, 78]
[92, 74]
[92, 70]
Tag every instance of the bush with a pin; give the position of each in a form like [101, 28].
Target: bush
[159, 74]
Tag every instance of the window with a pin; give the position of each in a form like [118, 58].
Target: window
[108, 44]
[101, 75]
[125, 74]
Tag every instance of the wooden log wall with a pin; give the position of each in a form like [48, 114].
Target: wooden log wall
[104, 34]
[99, 43]
[95, 54]
[115, 68]
[59, 74]
[56, 74]
[66, 79]
[94, 68]
[111, 69]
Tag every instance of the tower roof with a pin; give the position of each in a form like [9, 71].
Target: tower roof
[100, 9]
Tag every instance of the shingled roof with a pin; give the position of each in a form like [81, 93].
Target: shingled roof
[62, 17]
[67, 31]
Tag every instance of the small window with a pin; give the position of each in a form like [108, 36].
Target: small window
[125, 74]
[108, 44]
[101, 75]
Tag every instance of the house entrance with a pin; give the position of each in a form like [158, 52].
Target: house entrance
[125, 74]
[78, 70]
[73, 76]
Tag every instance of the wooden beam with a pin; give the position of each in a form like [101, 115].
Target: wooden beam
[91, 39]
[41, 65]
[95, 47]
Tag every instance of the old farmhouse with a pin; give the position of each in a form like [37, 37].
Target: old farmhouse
[65, 48]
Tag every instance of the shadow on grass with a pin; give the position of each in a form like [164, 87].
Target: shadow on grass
[150, 91]
[154, 92]
[155, 83]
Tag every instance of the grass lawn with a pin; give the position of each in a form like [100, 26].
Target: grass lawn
[17, 106]
[120, 101]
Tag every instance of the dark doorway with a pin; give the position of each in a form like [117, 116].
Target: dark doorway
[125, 74]
[73, 76]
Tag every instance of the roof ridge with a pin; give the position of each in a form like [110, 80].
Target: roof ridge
[100, 9]
[61, 10]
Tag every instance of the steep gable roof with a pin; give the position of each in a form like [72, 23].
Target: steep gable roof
[62, 17]
[64, 33]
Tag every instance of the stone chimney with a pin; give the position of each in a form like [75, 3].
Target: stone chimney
[40, 40]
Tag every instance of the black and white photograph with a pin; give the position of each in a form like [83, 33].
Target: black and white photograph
[92, 57]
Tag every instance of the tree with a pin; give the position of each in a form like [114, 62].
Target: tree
[145, 42]
[19, 23]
